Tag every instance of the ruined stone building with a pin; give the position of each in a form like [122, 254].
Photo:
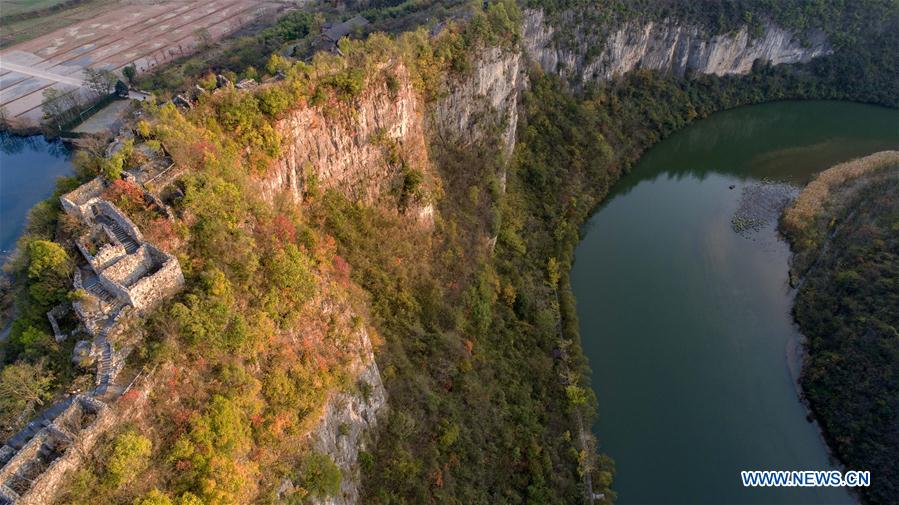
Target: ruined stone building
[119, 274]
[35, 460]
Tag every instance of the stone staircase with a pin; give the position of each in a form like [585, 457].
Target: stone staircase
[107, 366]
[120, 234]
[100, 292]
[105, 369]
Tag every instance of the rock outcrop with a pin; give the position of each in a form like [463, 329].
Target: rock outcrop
[353, 149]
[484, 101]
[351, 153]
[348, 422]
[348, 151]
[667, 46]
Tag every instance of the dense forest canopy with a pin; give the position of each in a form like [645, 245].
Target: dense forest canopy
[479, 349]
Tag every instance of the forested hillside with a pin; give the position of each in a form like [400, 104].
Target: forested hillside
[846, 248]
[471, 314]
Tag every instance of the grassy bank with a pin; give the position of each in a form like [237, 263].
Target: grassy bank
[813, 216]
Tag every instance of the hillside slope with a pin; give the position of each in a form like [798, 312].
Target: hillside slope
[843, 231]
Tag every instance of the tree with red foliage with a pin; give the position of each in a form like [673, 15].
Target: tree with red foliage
[127, 195]
[342, 269]
[284, 229]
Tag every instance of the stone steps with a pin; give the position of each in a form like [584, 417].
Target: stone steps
[120, 234]
[101, 293]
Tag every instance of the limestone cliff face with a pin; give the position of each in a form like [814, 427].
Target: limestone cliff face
[346, 149]
[348, 422]
[484, 101]
[666, 46]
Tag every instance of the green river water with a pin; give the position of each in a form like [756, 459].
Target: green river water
[686, 323]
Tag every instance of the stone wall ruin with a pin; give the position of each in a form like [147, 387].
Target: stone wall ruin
[123, 275]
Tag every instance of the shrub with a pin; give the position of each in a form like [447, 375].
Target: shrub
[23, 386]
[319, 475]
[348, 83]
[48, 272]
[130, 455]
[154, 497]
[273, 100]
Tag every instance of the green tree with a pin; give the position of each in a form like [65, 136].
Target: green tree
[121, 89]
[113, 166]
[277, 63]
[273, 100]
[130, 72]
[130, 455]
[319, 475]
[23, 386]
[189, 499]
[154, 497]
[289, 272]
[47, 258]
[48, 272]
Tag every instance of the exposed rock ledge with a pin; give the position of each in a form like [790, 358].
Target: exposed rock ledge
[668, 47]
[485, 101]
[346, 429]
[347, 153]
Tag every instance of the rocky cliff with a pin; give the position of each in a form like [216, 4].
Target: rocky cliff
[353, 150]
[667, 46]
[347, 148]
[347, 425]
[483, 102]
[350, 150]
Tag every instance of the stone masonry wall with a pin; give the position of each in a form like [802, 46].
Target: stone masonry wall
[121, 219]
[106, 256]
[149, 291]
[129, 268]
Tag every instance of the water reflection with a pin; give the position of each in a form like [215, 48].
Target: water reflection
[29, 167]
[686, 322]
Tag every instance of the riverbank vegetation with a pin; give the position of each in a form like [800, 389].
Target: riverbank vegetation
[488, 390]
[843, 230]
[810, 219]
[35, 366]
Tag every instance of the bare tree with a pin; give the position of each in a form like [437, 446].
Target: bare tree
[100, 81]
[59, 106]
[53, 105]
